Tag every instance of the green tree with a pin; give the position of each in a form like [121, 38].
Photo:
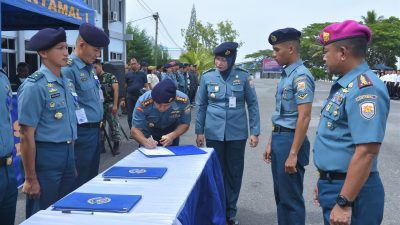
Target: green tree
[142, 46]
[371, 18]
[311, 50]
[226, 31]
[260, 55]
[385, 45]
[191, 34]
[202, 58]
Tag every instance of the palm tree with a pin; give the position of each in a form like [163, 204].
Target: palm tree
[203, 58]
[371, 18]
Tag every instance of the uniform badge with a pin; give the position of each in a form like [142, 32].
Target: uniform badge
[350, 85]
[237, 76]
[326, 36]
[362, 97]
[273, 38]
[329, 125]
[367, 110]
[216, 88]
[328, 107]
[58, 115]
[301, 86]
[345, 90]
[52, 90]
[302, 96]
[363, 81]
[151, 124]
[227, 52]
[212, 95]
[50, 85]
[55, 95]
[52, 104]
[336, 111]
[338, 98]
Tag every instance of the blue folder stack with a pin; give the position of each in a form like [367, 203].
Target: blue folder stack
[91, 202]
[135, 172]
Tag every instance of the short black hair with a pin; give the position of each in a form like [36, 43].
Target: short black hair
[357, 46]
[22, 66]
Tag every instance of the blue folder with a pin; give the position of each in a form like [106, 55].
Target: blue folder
[91, 202]
[186, 150]
[135, 172]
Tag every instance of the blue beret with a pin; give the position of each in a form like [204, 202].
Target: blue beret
[226, 49]
[47, 38]
[164, 92]
[282, 35]
[93, 35]
[167, 65]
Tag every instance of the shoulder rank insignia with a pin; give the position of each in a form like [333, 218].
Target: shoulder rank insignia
[147, 102]
[69, 61]
[36, 76]
[363, 81]
[181, 99]
[240, 69]
[210, 70]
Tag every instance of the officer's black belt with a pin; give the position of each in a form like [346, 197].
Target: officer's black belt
[324, 175]
[48, 142]
[91, 125]
[277, 128]
[6, 161]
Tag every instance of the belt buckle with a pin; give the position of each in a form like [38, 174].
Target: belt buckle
[101, 124]
[9, 161]
[69, 142]
[273, 127]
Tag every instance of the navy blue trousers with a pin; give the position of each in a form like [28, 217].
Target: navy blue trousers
[8, 195]
[231, 158]
[368, 206]
[55, 170]
[87, 154]
[288, 188]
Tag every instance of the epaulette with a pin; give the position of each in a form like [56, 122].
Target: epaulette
[243, 70]
[69, 61]
[147, 102]
[36, 76]
[181, 99]
[363, 81]
[210, 70]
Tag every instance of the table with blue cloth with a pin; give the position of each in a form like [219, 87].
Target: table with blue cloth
[190, 193]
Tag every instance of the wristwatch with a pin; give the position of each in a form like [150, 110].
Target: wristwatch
[343, 201]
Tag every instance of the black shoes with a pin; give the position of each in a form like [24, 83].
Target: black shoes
[115, 149]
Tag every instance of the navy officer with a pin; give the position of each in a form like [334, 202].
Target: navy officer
[351, 130]
[288, 148]
[161, 116]
[8, 183]
[90, 97]
[221, 119]
[46, 109]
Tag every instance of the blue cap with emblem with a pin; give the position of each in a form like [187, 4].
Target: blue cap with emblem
[283, 35]
[164, 92]
[47, 38]
[229, 51]
[93, 35]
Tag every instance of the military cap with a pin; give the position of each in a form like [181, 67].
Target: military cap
[151, 67]
[186, 65]
[226, 49]
[283, 35]
[164, 92]
[47, 38]
[93, 35]
[167, 65]
[344, 30]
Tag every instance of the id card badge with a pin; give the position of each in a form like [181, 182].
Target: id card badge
[101, 96]
[81, 116]
[232, 102]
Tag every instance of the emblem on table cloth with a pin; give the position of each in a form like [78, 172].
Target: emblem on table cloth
[137, 171]
[99, 200]
[367, 110]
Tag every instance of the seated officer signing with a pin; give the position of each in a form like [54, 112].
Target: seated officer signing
[161, 116]
[351, 130]
[288, 148]
[46, 108]
[90, 98]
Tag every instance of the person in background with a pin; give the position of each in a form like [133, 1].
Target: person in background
[152, 78]
[22, 74]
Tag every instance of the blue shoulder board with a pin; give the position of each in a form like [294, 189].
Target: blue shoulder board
[36, 76]
[70, 61]
[210, 70]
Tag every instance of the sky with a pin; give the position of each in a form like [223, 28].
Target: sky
[253, 19]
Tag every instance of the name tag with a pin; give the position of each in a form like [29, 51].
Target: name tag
[81, 116]
[232, 102]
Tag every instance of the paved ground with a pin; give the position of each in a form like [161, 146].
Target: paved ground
[256, 202]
